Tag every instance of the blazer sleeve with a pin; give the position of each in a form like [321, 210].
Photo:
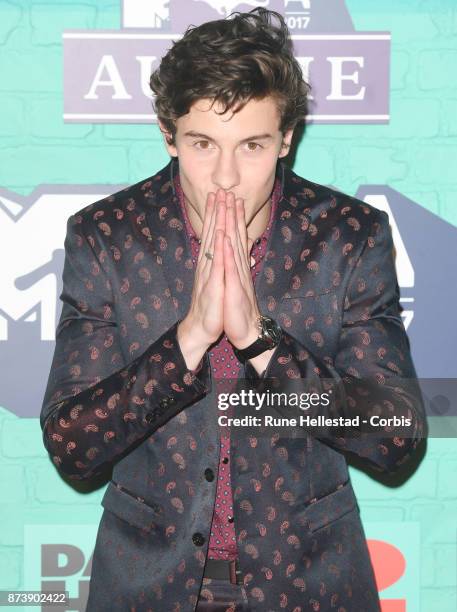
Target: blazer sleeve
[96, 406]
[372, 372]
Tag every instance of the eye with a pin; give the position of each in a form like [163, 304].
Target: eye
[253, 146]
[204, 145]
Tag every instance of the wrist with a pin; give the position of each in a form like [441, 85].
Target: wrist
[260, 363]
[251, 336]
[191, 337]
[192, 344]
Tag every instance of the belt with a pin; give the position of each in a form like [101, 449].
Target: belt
[220, 569]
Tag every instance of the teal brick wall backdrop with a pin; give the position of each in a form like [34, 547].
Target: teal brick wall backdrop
[416, 154]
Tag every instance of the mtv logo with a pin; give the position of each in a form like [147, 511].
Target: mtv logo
[197, 12]
[177, 15]
[33, 231]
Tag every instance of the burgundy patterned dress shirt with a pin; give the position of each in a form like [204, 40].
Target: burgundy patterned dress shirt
[224, 364]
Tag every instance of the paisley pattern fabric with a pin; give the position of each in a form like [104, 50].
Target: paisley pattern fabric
[120, 396]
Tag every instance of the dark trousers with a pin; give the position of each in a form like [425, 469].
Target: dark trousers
[221, 596]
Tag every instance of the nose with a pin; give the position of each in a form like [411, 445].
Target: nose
[226, 173]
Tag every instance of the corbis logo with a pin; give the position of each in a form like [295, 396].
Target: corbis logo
[106, 73]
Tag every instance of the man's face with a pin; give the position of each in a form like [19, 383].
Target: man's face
[236, 152]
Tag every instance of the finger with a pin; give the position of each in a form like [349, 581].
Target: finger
[249, 247]
[215, 224]
[232, 276]
[242, 229]
[208, 222]
[217, 263]
[219, 218]
[230, 224]
[243, 258]
[242, 236]
[231, 230]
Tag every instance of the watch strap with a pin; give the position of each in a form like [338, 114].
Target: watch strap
[256, 348]
[263, 343]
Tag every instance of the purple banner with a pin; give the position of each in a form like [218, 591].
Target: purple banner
[106, 75]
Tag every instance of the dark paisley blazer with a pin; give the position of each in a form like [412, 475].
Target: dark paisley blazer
[119, 393]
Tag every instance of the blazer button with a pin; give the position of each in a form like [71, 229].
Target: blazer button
[230, 519]
[225, 460]
[209, 474]
[198, 539]
[166, 401]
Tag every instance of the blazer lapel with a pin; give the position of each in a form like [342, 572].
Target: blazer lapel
[292, 235]
[171, 246]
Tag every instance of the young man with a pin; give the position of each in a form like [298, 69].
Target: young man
[226, 264]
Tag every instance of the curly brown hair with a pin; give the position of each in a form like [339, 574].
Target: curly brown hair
[231, 61]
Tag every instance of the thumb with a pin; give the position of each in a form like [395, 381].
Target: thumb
[248, 254]
[250, 243]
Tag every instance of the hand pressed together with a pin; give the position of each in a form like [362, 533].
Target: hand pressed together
[223, 296]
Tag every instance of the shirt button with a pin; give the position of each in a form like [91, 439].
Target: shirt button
[230, 519]
[225, 460]
[209, 474]
[198, 539]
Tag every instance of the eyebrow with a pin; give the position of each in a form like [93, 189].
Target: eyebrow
[193, 134]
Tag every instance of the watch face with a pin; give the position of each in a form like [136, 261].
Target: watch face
[271, 330]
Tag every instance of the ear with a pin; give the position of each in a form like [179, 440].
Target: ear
[171, 148]
[286, 142]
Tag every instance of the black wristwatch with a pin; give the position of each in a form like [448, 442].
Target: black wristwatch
[270, 334]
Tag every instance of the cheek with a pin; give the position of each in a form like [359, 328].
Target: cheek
[194, 181]
[260, 181]
[196, 168]
[192, 172]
